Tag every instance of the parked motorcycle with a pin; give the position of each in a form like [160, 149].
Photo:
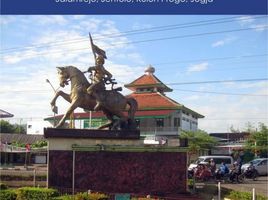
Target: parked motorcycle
[250, 173]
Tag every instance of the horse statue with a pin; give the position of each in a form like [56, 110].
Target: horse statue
[113, 103]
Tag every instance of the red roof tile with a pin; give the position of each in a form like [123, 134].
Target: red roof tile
[145, 80]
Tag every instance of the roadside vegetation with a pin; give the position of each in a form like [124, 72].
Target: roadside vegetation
[6, 127]
[32, 193]
[258, 139]
[197, 141]
[209, 192]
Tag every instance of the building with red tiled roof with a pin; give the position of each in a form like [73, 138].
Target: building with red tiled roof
[157, 114]
[149, 92]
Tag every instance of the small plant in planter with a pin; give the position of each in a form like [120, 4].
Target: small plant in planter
[190, 183]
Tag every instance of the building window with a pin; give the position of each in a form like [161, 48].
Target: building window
[159, 122]
[177, 122]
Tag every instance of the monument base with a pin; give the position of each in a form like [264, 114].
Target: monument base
[114, 164]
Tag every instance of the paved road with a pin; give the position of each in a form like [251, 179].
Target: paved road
[261, 186]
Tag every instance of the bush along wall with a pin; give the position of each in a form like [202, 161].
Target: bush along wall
[3, 186]
[8, 194]
[30, 193]
[84, 196]
[235, 195]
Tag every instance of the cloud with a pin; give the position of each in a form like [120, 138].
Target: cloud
[78, 17]
[53, 19]
[27, 94]
[139, 26]
[198, 67]
[223, 42]
[245, 20]
[259, 27]
[192, 98]
[223, 111]
[19, 56]
[5, 20]
[246, 85]
[250, 21]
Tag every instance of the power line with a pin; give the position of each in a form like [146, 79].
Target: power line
[213, 59]
[192, 35]
[148, 40]
[185, 25]
[132, 32]
[167, 71]
[182, 83]
[250, 118]
[217, 59]
[218, 81]
[223, 93]
[25, 91]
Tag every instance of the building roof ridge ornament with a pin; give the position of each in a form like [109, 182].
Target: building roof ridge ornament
[149, 70]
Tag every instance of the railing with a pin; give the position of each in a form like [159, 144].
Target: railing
[11, 148]
[20, 176]
[159, 130]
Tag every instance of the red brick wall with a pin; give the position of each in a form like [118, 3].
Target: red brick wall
[120, 172]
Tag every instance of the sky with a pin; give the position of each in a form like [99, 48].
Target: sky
[187, 52]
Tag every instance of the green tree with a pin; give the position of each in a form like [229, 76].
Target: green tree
[258, 140]
[198, 140]
[6, 127]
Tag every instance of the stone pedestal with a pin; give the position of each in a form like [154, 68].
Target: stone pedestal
[113, 162]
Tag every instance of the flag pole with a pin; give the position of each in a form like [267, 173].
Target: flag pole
[92, 48]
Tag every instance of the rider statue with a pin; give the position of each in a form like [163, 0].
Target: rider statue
[111, 102]
[100, 77]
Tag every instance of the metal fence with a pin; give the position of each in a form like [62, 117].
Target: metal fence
[19, 177]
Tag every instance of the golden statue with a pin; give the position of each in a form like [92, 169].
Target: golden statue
[94, 96]
[100, 76]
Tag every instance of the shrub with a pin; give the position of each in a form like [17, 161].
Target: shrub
[92, 196]
[31, 193]
[235, 195]
[3, 186]
[190, 183]
[8, 194]
[97, 196]
[84, 196]
[65, 197]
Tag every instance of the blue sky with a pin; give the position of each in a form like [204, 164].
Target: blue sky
[181, 48]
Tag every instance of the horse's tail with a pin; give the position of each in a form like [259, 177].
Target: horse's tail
[133, 106]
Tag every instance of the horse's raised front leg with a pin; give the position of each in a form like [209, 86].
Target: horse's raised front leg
[73, 106]
[57, 94]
